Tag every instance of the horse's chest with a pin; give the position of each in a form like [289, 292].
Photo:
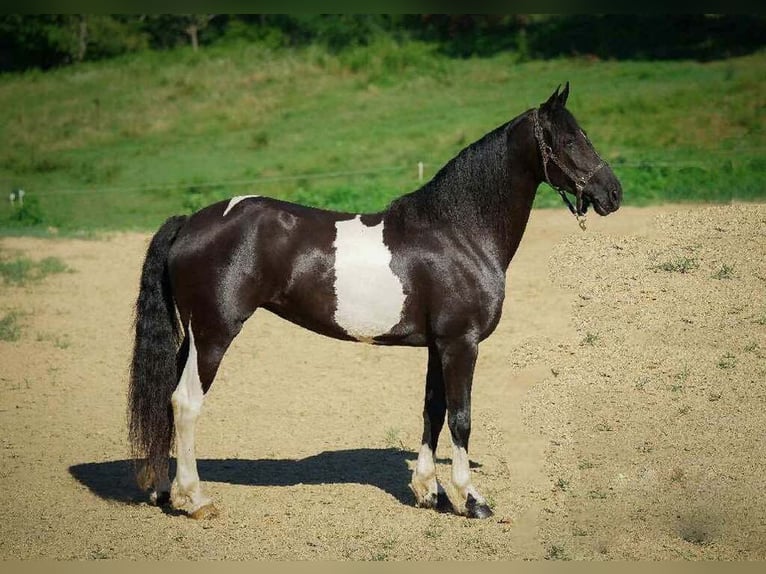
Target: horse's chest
[369, 295]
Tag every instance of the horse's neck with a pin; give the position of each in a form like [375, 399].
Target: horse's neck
[486, 191]
[522, 198]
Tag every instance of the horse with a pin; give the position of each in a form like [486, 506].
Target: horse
[427, 271]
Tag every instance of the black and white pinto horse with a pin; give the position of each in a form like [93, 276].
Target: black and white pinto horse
[428, 271]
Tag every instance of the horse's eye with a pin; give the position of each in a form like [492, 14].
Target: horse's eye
[570, 144]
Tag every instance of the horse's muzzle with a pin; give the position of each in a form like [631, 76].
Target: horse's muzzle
[607, 199]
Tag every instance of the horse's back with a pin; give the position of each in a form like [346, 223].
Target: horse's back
[259, 252]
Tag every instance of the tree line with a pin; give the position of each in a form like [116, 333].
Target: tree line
[52, 40]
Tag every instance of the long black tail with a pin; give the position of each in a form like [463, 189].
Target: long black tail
[153, 371]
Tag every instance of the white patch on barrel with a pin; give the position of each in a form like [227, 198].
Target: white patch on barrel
[235, 200]
[370, 297]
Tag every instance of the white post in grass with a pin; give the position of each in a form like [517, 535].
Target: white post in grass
[12, 198]
[420, 171]
[21, 197]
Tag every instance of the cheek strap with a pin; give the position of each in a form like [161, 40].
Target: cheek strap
[580, 182]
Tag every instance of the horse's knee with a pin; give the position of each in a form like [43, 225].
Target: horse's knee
[460, 426]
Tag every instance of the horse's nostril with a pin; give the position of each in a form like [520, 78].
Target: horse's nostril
[614, 195]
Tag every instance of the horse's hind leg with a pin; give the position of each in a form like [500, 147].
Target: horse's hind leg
[427, 490]
[204, 356]
[186, 492]
[156, 478]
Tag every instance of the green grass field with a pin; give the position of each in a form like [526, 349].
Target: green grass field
[123, 144]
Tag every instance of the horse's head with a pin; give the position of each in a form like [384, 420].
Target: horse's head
[569, 161]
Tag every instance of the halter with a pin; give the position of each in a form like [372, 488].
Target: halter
[580, 182]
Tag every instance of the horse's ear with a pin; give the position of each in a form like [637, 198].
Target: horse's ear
[553, 100]
[564, 95]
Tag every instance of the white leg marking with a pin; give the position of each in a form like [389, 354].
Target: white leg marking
[235, 200]
[424, 484]
[186, 493]
[370, 297]
[461, 477]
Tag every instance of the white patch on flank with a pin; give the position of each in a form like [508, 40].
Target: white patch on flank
[185, 492]
[235, 200]
[369, 296]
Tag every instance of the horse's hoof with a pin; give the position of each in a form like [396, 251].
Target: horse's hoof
[204, 512]
[160, 498]
[428, 501]
[443, 503]
[475, 509]
[434, 500]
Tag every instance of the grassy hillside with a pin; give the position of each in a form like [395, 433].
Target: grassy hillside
[125, 143]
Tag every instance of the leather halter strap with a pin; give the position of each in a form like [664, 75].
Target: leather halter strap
[580, 181]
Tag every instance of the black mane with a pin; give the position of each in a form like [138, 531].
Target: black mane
[471, 189]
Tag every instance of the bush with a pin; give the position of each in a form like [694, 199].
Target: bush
[388, 60]
[49, 40]
[28, 214]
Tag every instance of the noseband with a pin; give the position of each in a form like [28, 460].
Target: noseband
[580, 182]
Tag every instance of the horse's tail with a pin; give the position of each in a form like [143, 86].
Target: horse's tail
[153, 371]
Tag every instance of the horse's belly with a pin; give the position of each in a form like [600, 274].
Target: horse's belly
[369, 295]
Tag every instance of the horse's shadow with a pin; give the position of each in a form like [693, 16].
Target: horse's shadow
[386, 469]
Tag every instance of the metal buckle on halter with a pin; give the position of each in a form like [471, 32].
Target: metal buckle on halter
[547, 154]
[581, 220]
[576, 211]
[580, 214]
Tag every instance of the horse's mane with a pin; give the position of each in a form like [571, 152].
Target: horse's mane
[471, 188]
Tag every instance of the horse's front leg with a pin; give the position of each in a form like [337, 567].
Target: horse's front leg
[427, 490]
[458, 358]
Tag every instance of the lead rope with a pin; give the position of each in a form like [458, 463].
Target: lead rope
[580, 182]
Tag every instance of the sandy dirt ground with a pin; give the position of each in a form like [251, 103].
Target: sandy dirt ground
[619, 412]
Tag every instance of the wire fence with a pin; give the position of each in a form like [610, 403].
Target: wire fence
[228, 182]
[417, 169]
